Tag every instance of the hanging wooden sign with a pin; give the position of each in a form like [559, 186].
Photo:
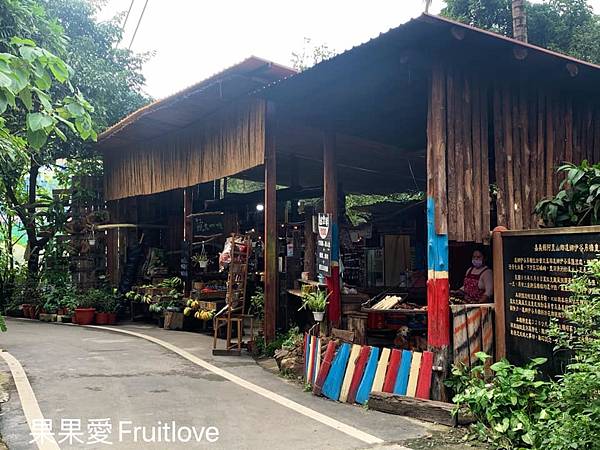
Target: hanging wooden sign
[537, 265]
[324, 244]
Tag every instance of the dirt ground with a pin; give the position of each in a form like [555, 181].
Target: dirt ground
[445, 438]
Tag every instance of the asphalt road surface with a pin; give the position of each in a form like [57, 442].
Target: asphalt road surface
[127, 393]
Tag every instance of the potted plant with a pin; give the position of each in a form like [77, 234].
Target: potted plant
[85, 310]
[112, 307]
[316, 301]
[257, 306]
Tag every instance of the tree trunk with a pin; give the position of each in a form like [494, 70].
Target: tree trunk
[519, 20]
[33, 259]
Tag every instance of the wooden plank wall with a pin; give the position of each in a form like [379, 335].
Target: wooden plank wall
[522, 132]
[536, 130]
[467, 124]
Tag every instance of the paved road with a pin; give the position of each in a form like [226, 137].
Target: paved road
[86, 374]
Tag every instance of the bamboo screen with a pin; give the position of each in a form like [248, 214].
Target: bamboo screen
[519, 134]
[230, 141]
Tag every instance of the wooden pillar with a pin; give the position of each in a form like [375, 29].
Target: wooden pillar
[330, 203]
[271, 290]
[500, 324]
[438, 306]
[187, 231]
[310, 245]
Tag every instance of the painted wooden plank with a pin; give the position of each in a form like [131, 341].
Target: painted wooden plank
[333, 382]
[306, 351]
[311, 353]
[382, 366]
[392, 372]
[403, 372]
[415, 365]
[359, 371]
[424, 383]
[349, 373]
[324, 368]
[317, 363]
[366, 383]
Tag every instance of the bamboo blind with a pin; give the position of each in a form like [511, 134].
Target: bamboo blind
[521, 134]
[228, 142]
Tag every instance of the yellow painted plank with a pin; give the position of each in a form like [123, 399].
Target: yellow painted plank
[349, 373]
[381, 370]
[415, 365]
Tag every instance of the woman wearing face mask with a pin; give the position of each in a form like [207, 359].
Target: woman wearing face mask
[478, 285]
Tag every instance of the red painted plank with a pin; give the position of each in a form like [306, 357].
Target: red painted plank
[438, 312]
[361, 363]
[324, 370]
[392, 372]
[424, 382]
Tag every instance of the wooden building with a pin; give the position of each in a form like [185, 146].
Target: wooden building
[476, 120]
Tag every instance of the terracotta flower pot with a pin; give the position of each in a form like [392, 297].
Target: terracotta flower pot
[84, 316]
[112, 318]
[101, 318]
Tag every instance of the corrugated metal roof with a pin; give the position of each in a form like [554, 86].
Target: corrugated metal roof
[190, 104]
[417, 33]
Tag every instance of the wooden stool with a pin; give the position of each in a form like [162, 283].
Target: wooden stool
[230, 322]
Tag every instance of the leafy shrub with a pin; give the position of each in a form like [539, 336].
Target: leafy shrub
[578, 199]
[506, 407]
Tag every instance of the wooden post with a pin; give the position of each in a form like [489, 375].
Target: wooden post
[270, 255]
[330, 201]
[187, 231]
[438, 306]
[500, 337]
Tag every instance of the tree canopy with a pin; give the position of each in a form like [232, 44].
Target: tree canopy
[565, 26]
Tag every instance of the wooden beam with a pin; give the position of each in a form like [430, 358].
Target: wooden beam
[438, 307]
[187, 231]
[330, 206]
[499, 293]
[270, 255]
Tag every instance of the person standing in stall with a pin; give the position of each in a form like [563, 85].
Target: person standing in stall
[478, 284]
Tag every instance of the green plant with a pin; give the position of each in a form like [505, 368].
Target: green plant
[257, 303]
[315, 301]
[2, 324]
[508, 407]
[578, 199]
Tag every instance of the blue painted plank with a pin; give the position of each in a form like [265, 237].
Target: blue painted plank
[364, 389]
[437, 244]
[333, 382]
[403, 373]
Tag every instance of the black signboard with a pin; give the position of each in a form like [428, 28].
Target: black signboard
[208, 224]
[537, 266]
[324, 244]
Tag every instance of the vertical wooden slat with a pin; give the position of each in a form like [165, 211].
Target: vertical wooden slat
[499, 157]
[459, 166]
[549, 145]
[485, 161]
[540, 149]
[517, 157]
[451, 123]
[476, 171]
[525, 163]
[569, 154]
[270, 213]
[533, 146]
[468, 171]
[508, 146]
[439, 123]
